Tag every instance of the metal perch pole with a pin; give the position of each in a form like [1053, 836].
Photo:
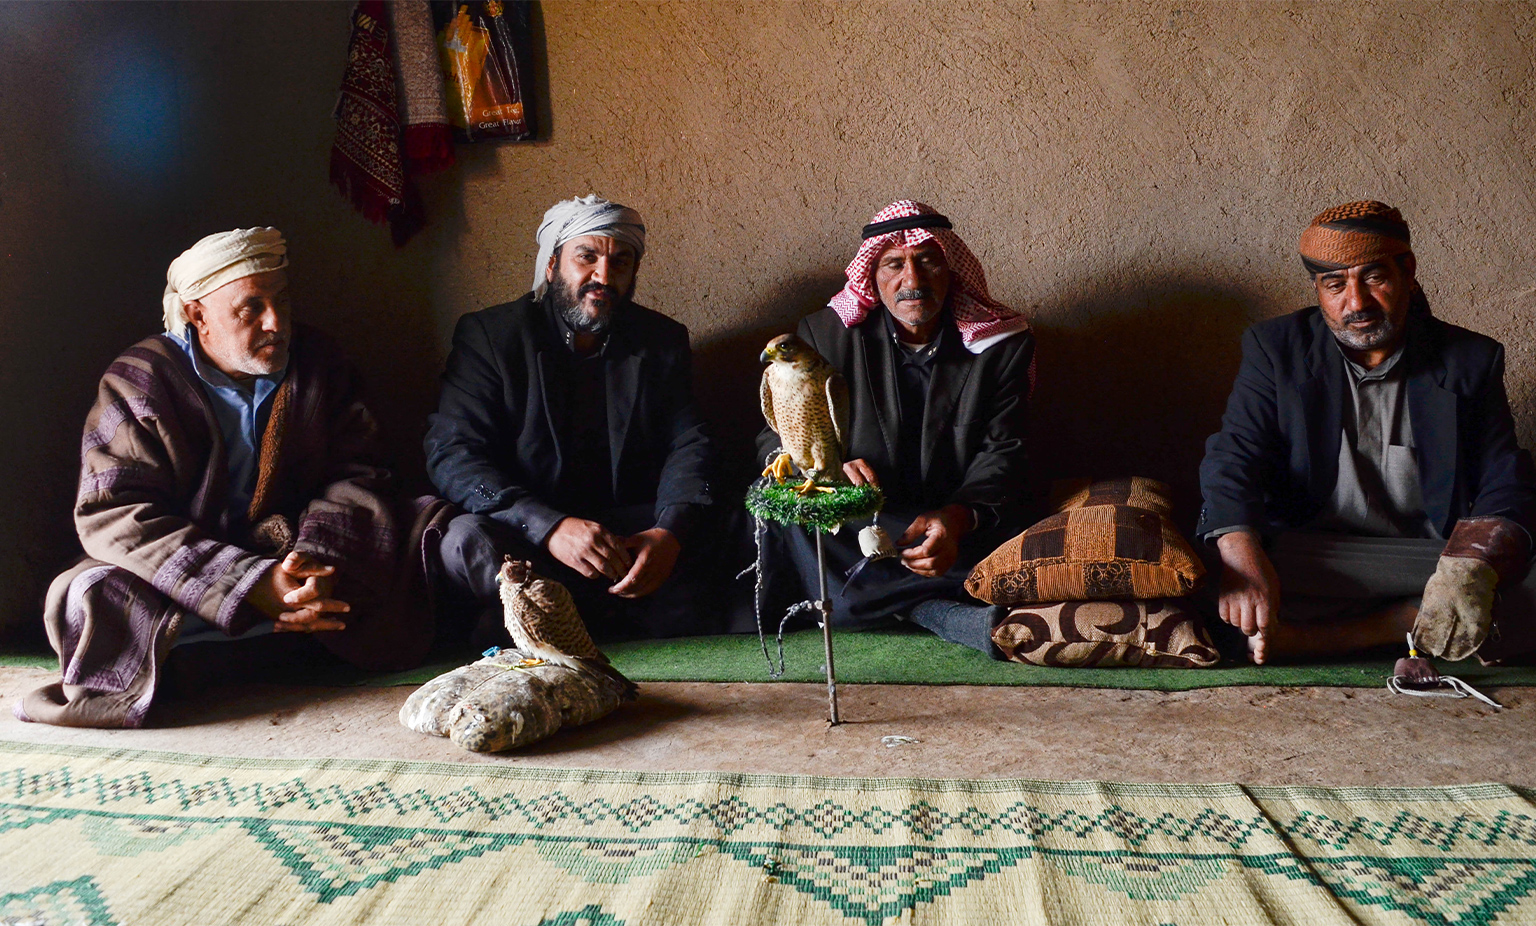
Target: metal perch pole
[825, 604]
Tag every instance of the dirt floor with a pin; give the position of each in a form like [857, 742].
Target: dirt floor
[1272, 736]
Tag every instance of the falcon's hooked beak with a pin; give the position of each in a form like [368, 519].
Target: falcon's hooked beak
[514, 572]
[786, 348]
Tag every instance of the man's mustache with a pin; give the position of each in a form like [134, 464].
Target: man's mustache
[1365, 315]
[603, 288]
[920, 293]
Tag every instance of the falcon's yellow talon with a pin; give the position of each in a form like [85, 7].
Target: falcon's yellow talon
[529, 663]
[781, 468]
[810, 486]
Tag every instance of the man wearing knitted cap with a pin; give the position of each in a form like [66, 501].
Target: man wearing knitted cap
[233, 506]
[1366, 482]
[567, 430]
[939, 375]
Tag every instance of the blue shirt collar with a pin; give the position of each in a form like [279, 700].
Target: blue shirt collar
[209, 373]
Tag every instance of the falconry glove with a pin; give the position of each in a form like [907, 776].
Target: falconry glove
[1456, 614]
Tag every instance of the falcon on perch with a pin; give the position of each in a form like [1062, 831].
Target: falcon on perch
[544, 623]
[805, 402]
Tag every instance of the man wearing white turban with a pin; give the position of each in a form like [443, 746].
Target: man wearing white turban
[567, 430]
[231, 485]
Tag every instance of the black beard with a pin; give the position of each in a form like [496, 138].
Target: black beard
[568, 304]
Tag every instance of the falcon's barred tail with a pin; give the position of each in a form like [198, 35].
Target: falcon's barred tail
[628, 690]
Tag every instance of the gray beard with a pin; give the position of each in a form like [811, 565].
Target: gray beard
[568, 304]
[1384, 333]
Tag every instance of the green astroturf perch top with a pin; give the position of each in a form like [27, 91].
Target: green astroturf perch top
[822, 510]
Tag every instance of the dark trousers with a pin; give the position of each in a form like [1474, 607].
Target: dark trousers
[1330, 577]
[881, 591]
[474, 546]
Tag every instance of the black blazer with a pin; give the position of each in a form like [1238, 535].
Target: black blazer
[973, 429]
[499, 443]
[1274, 462]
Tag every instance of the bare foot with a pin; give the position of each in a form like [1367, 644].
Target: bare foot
[1285, 642]
[1257, 647]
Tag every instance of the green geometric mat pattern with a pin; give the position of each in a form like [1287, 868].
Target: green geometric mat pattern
[102, 836]
[70, 902]
[900, 657]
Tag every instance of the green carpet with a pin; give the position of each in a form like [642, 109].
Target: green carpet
[29, 660]
[910, 658]
[919, 658]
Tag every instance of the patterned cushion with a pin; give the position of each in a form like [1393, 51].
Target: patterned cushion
[1106, 633]
[1109, 539]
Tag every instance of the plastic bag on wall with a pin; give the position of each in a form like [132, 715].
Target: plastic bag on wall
[484, 50]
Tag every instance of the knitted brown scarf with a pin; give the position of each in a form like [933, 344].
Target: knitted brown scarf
[271, 530]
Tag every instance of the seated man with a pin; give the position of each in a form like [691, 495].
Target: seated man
[230, 486]
[567, 429]
[1367, 456]
[938, 378]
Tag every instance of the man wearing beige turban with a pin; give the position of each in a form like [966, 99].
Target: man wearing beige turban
[1366, 483]
[233, 504]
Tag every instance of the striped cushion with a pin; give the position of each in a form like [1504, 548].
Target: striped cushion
[1109, 539]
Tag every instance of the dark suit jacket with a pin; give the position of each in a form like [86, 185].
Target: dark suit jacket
[1274, 462]
[973, 428]
[499, 443]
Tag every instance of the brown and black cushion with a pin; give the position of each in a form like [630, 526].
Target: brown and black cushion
[1106, 540]
[1150, 634]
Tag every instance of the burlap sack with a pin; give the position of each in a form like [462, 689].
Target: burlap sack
[492, 705]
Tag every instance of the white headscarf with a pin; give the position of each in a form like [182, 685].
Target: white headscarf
[216, 260]
[584, 215]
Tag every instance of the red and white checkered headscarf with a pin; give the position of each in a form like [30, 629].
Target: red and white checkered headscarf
[982, 320]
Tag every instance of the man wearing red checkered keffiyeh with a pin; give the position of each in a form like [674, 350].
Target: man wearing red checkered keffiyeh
[939, 375]
[981, 320]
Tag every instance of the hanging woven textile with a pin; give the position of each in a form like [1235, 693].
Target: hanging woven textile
[365, 159]
[426, 140]
[418, 76]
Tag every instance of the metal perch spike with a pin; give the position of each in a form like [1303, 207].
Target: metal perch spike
[825, 604]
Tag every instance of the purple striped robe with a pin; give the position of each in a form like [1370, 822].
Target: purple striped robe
[153, 516]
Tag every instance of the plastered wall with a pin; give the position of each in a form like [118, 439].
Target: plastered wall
[1133, 175]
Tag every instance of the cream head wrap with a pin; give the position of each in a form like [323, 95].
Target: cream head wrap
[584, 215]
[216, 260]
